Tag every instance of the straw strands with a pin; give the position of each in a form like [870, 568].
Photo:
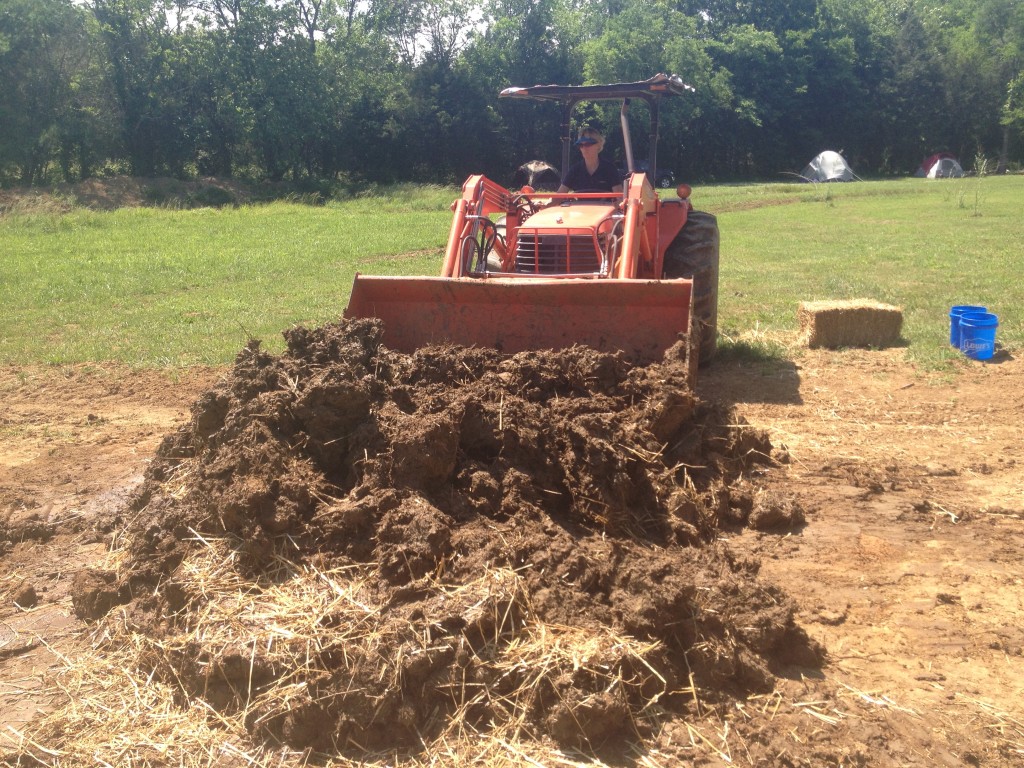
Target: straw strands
[147, 700]
[248, 654]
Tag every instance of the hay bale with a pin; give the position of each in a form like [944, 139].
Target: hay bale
[857, 323]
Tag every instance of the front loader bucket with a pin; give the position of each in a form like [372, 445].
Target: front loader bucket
[641, 318]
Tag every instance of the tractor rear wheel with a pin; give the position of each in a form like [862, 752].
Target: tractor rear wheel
[694, 255]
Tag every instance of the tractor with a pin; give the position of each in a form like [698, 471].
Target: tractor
[624, 272]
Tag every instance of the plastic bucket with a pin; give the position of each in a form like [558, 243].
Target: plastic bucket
[954, 320]
[978, 334]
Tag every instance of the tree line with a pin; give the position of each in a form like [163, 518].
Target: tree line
[407, 90]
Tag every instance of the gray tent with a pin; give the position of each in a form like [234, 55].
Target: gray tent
[828, 166]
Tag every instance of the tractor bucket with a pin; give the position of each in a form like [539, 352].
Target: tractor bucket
[641, 318]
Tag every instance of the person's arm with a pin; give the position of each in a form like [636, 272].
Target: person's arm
[566, 184]
[567, 181]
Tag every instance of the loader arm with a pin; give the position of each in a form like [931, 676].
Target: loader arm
[481, 198]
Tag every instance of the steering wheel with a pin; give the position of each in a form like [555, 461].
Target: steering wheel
[526, 206]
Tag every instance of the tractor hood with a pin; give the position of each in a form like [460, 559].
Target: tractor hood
[568, 217]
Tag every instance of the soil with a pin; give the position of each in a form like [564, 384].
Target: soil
[826, 553]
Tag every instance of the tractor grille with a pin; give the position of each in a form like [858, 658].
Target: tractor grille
[556, 255]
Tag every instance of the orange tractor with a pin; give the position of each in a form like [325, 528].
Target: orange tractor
[620, 271]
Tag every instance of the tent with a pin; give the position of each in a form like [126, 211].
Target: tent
[828, 166]
[940, 166]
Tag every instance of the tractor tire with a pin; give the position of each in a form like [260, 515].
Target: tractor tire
[694, 255]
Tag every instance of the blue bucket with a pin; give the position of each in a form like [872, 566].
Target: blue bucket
[978, 334]
[954, 320]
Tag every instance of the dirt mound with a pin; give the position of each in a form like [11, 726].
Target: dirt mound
[415, 540]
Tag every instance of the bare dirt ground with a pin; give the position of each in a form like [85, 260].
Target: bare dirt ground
[908, 571]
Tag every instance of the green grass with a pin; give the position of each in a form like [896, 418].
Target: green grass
[923, 245]
[160, 287]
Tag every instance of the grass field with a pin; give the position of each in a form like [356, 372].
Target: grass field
[164, 287]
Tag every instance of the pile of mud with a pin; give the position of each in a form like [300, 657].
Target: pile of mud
[526, 539]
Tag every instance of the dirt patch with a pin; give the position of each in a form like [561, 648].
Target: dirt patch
[553, 543]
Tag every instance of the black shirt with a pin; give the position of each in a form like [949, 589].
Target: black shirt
[605, 177]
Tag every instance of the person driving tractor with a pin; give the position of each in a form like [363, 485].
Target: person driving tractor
[593, 173]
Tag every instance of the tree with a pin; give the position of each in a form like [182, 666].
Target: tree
[1000, 24]
[777, 16]
[368, 106]
[760, 89]
[314, 18]
[387, 90]
[1012, 119]
[51, 92]
[911, 99]
[524, 42]
[646, 38]
[145, 84]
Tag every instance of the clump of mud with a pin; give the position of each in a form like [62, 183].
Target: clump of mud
[525, 539]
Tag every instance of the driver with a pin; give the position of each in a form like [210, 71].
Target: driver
[593, 173]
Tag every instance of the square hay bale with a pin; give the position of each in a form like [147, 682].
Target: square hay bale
[856, 323]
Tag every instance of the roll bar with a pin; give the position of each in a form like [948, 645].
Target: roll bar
[568, 96]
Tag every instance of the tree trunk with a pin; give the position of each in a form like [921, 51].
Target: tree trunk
[1004, 152]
